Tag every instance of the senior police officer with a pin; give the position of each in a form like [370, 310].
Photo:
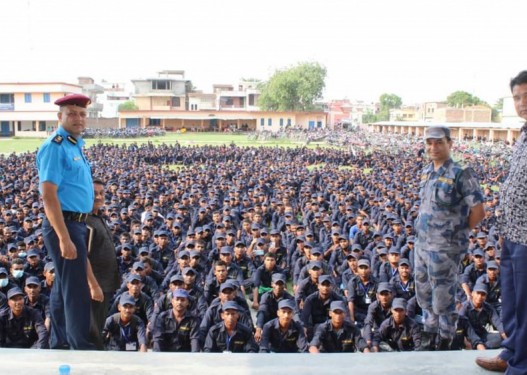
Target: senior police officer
[67, 192]
[451, 205]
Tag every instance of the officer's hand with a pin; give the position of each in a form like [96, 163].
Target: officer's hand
[68, 249]
[258, 334]
[97, 294]
[256, 305]
[480, 347]
[500, 241]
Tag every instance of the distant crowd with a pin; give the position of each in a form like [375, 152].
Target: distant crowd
[255, 233]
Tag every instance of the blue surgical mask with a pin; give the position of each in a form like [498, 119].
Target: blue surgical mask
[3, 282]
[17, 274]
[22, 254]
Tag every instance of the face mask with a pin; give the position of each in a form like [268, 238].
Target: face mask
[17, 274]
[3, 282]
[22, 254]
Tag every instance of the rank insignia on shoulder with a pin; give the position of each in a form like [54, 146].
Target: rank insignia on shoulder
[58, 139]
[72, 139]
[445, 180]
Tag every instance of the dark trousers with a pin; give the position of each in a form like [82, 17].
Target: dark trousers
[513, 275]
[70, 298]
[99, 313]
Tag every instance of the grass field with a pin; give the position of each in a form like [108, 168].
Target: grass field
[20, 145]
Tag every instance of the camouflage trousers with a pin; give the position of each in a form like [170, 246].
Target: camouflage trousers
[436, 282]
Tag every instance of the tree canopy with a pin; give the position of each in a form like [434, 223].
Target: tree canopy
[462, 99]
[129, 105]
[293, 89]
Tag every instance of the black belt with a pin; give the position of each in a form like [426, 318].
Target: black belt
[74, 216]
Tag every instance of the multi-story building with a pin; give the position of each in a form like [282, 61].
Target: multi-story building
[405, 113]
[27, 109]
[92, 90]
[113, 95]
[167, 92]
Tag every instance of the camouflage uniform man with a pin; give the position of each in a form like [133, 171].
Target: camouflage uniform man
[451, 205]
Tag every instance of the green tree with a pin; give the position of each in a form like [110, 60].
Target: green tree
[293, 89]
[497, 110]
[462, 99]
[387, 102]
[129, 105]
[369, 117]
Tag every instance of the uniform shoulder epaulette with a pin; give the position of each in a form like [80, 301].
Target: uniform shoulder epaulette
[72, 139]
[58, 139]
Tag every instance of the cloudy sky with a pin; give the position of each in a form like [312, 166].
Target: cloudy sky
[418, 49]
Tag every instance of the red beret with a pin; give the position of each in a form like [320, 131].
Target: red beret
[73, 99]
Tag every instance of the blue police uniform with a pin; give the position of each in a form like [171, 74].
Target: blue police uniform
[61, 162]
[447, 196]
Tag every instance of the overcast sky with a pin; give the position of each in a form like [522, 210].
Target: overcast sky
[421, 50]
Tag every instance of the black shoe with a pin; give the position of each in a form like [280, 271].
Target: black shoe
[444, 344]
[428, 341]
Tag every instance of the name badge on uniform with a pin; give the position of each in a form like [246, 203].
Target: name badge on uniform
[76, 158]
[131, 346]
[367, 300]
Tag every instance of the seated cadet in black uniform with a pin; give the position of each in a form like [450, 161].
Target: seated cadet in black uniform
[316, 255]
[36, 300]
[390, 268]
[177, 330]
[212, 286]
[18, 276]
[361, 291]
[316, 306]
[349, 270]
[269, 303]
[124, 331]
[378, 312]
[229, 335]
[49, 277]
[228, 292]
[403, 282]
[480, 314]
[337, 335]
[399, 332]
[20, 325]
[34, 265]
[472, 273]
[309, 285]
[492, 280]
[283, 334]
[144, 307]
[262, 277]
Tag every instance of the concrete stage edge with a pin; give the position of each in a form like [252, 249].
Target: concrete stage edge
[40, 362]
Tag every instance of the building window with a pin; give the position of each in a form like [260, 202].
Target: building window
[161, 85]
[262, 122]
[251, 99]
[41, 126]
[270, 121]
[229, 101]
[27, 98]
[155, 122]
[288, 122]
[176, 101]
[281, 122]
[46, 97]
[7, 98]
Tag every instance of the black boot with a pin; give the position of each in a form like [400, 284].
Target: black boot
[428, 341]
[444, 344]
